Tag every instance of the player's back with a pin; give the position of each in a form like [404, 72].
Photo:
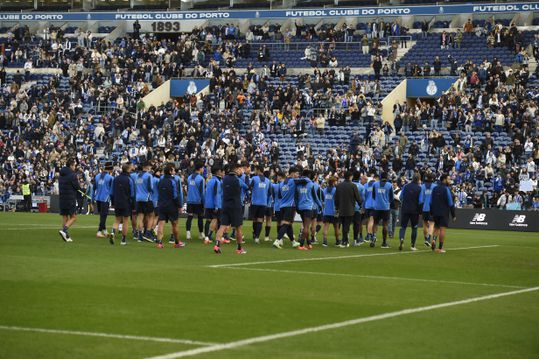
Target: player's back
[260, 187]
[382, 191]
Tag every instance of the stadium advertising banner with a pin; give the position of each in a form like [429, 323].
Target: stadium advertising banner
[178, 88]
[525, 221]
[428, 10]
[428, 88]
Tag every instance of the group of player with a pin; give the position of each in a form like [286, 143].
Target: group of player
[152, 196]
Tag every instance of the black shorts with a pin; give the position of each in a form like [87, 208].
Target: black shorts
[278, 216]
[369, 212]
[145, 207]
[288, 214]
[68, 210]
[122, 212]
[381, 215]
[427, 217]
[358, 217]
[258, 211]
[102, 207]
[268, 212]
[155, 211]
[413, 218]
[306, 214]
[319, 217]
[195, 209]
[441, 221]
[169, 214]
[232, 217]
[211, 213]
[331, 219]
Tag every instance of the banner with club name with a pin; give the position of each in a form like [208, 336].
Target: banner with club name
[425, 10]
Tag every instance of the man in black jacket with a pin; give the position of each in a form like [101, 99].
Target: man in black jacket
[232, 213]
[123, 199]
[68, 186]
[411, 199]
[346, 197]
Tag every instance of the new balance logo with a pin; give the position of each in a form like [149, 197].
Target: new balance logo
[479, 219]
[519, 220]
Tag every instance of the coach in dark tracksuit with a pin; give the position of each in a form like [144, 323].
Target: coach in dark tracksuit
[412, 200]
[441, 206]
[232, 207]
[68, 186]
[123, 197]
[169, 205]
[346, 197]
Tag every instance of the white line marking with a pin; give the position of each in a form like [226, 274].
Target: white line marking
[107, 335]
[340, 257]
[293, 333]
[377, 277]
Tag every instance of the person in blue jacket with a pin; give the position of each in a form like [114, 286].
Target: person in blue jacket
[428, 223]
[268, 215]
[260, 187]
[368, 208]
[212, 203]
[195, 200]
[307, 198]
[276, 199]
[155, 200]
[68, 186]
[144, 204]
[329, 215]
[359, 181]
[442, 205]
[123, 199]
[169, 204]
[412, 201]
[101, 195]
[287, 207]
[382, 195]
[316, 220]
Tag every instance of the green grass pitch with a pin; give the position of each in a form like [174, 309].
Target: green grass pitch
[87, 295]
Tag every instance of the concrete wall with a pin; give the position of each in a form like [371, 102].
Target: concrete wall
[397, 95]
[159, 96]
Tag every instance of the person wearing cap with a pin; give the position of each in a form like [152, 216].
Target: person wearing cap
[101, 195]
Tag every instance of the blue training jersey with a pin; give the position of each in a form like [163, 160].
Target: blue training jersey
[307, 197]
[243, 191]
[319, 194]
[287, 193]
[329, 201]
[195, 189]
[143, 187]
[426, 194]
[361, 190]
[155, 191]
[275, 195]
[103, 187]
[369, 202]
[382, 195]
[214, 193]
[260, 190]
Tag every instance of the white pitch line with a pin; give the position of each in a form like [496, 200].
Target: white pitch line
[377, 277]
[293, 333]
[107, 335]
[46, 227]
[339, 257]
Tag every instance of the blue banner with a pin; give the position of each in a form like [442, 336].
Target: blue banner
[274, 14]
[428, 88]
[178, 88]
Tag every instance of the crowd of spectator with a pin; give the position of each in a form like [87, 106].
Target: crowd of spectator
[42, 125]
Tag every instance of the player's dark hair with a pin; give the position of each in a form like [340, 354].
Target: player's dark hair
[215, 169]
[443, 177]
[293, 170]
[198, 165]
[383, 177]
[357, 175]
[416, 178]
[71, 161]
[348, 174]
[168, 168]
